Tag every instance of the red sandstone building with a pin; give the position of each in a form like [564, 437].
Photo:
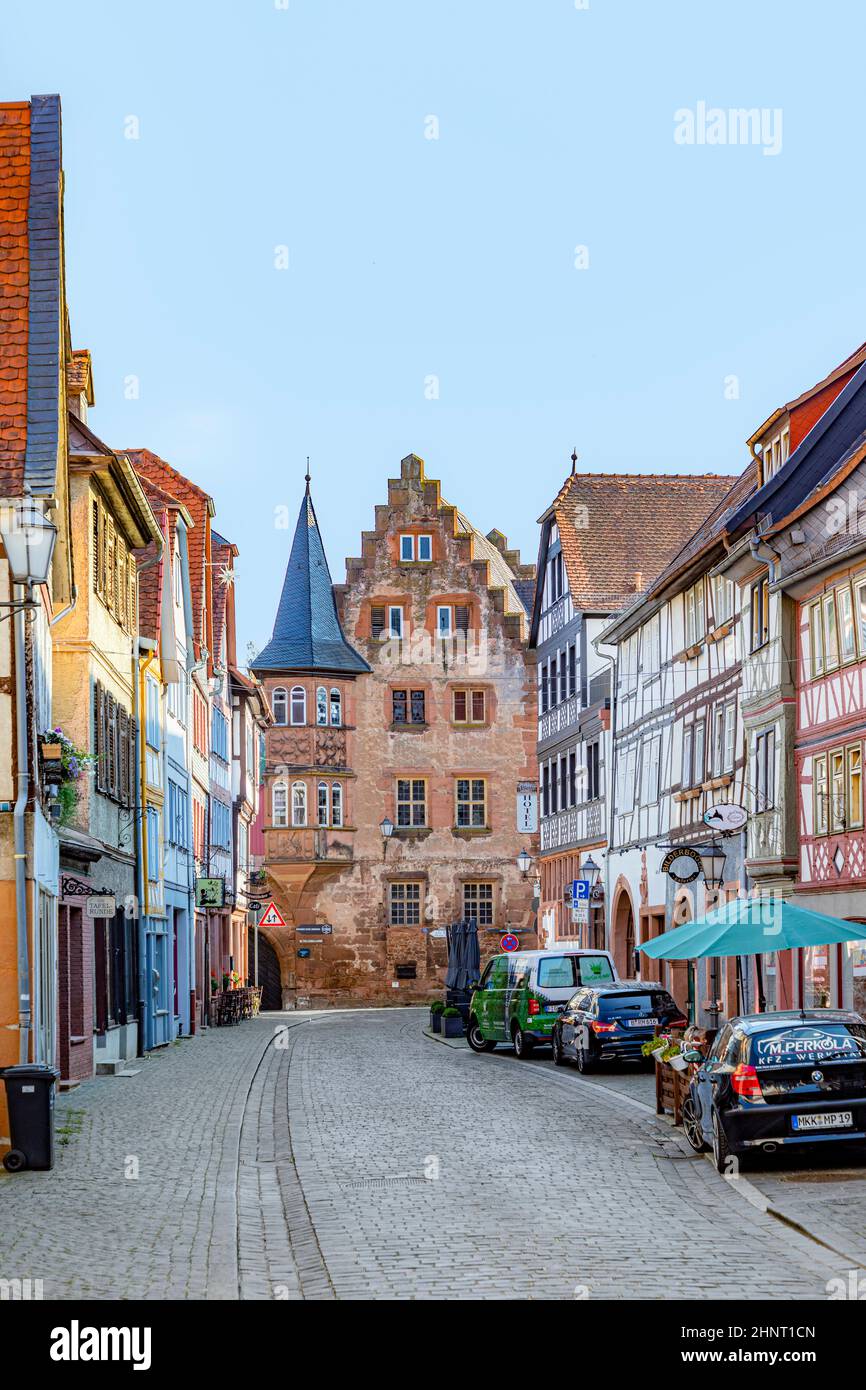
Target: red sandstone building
[403, 700]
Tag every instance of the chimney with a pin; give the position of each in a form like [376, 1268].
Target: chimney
[638, 581]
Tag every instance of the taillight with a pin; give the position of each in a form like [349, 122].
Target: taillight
[744, 1080]
[678, 1023]
[603, 1027]
[534, 1006]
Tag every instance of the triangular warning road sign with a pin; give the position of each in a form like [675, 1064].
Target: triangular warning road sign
[272, 917]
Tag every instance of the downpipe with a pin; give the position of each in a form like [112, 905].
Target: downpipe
[19, 829]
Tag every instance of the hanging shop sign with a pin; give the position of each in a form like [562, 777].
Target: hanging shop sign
[527, 808]
[727, 816]
[210, 892]
[101, 905]
[682, 853]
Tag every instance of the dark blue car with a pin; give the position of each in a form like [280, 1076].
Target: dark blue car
[611, 1022]
[778, 1080]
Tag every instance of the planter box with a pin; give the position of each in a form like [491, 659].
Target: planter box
[452, 1027]
[436, 1022]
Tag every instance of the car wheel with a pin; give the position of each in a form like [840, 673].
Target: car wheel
[722, 1152]
[692, 1126]
[585, 1062]
[559, 1056]
[522, 1044]
[476, 1038]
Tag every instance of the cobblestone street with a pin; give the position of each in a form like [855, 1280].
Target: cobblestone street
[364, 1159]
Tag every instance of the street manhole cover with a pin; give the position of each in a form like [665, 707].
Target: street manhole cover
[387, 1182]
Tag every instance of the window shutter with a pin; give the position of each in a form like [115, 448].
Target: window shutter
[120, 585]
[461, 617]
[133, 756]
[131, 616]
[123, 758]
[100, 738]
[111, 745]
[377, 621]
[108, 581]
[96, 539]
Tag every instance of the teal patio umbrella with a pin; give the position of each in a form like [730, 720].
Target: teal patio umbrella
[752, 927]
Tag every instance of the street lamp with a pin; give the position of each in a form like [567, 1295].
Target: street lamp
[590, 870]
[387, 828]
[524, 862]
[28, 539]
[713, 865]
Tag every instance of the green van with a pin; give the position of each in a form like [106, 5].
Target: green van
[521, 993]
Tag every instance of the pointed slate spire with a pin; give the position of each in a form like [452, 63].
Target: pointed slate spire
[307, 635]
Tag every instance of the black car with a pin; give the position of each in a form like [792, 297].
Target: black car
[611, 1022]
[794, 1078]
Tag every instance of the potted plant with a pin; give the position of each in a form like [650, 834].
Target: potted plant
[654, 1048]
[214, 986]
[673, 1055]
[452, 1023]
[62, 766]
[437, 1008]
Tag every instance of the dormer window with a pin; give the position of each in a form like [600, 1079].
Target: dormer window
[775, 454]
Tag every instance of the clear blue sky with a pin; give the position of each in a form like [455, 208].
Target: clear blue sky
[408, 257]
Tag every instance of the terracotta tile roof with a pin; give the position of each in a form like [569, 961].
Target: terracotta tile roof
[150, 579]
[14, 291]
[200, 506]
[619, 530]
[711, 529]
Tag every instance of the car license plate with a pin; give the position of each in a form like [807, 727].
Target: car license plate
[642, 1022]
[554, 1008]
[833, 1119]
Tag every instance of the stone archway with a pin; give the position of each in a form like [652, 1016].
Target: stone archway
[269, 971]
[622, 930]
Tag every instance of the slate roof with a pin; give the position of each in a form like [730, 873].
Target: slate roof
[31, 293]
[614, 527]
[830, 442]
[307, 634]
[500, 573]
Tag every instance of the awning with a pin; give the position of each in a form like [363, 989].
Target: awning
[751, 927]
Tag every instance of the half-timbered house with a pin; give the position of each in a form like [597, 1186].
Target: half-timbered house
[603, 539]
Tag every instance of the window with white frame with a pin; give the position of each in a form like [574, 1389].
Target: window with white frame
[280, 804]
[416, 548]
[724, 728]
[443, 620]
[336, 707]
[695, 614]
[336, 803]
[650, 769]
[299, 803]
[280, 706]
[299, 705]
[153, 733]
[651, 662]
[775, 452]
[321, 705]
[765, 769]
[323, 803]
[688, 749]
[723, 600]
[395, 620]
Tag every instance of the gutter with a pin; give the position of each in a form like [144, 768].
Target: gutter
[767, 555]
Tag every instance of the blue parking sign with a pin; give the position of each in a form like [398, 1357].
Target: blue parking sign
[579, 890]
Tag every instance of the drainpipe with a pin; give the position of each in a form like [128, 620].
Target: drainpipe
[68, 609]
[142, 644]
[767, 555]
[24, 1011]
[609, 788]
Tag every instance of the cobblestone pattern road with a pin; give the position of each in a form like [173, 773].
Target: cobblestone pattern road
[362, 1159]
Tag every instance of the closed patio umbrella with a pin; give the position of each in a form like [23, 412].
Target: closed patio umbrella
[752, 927]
